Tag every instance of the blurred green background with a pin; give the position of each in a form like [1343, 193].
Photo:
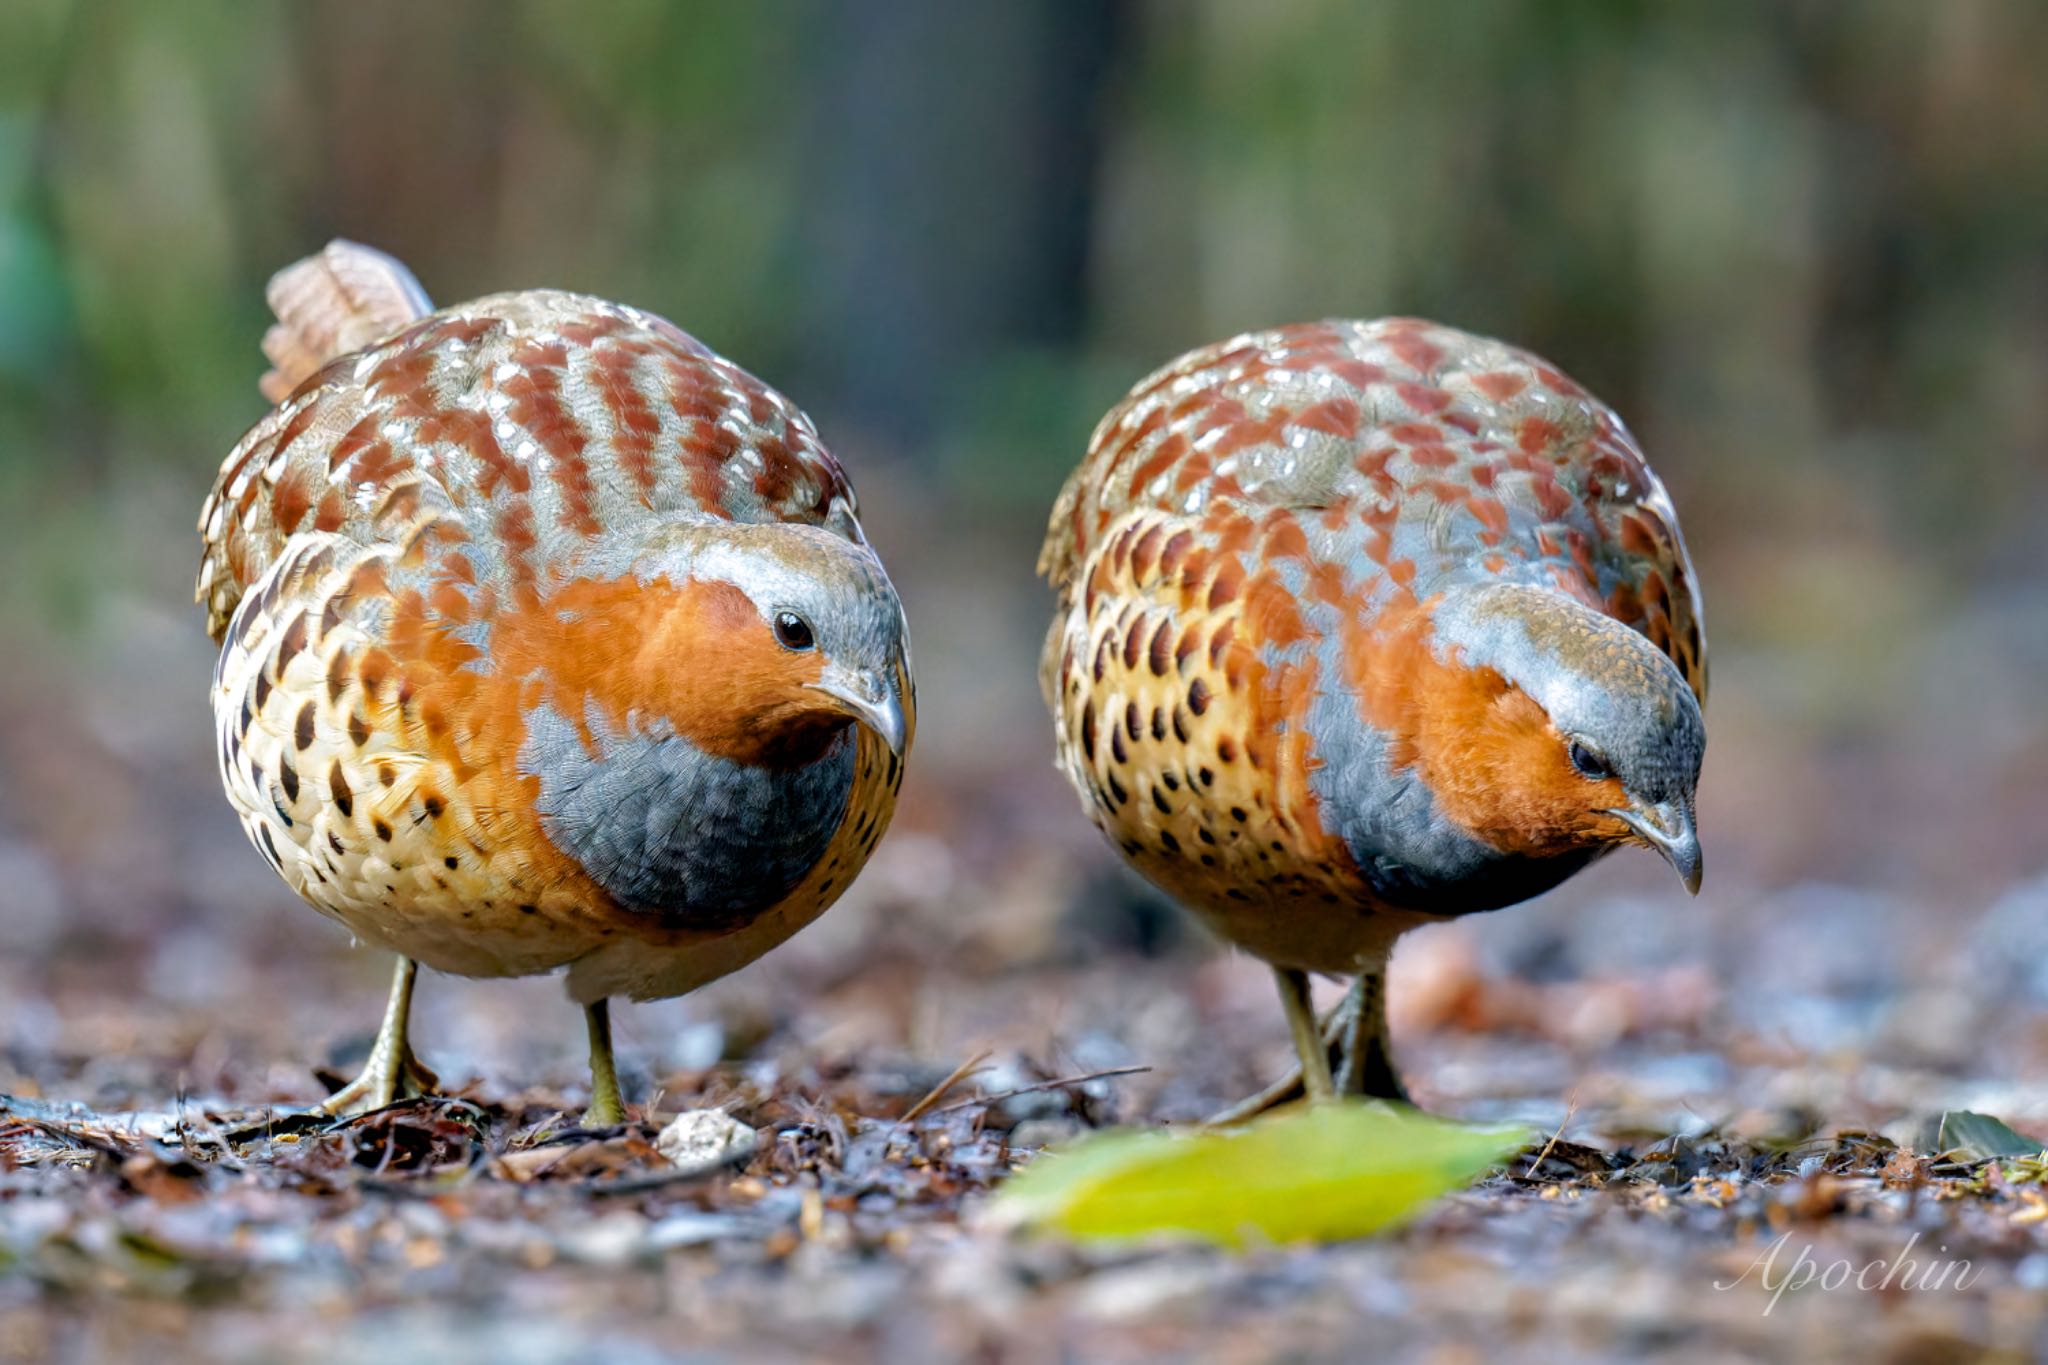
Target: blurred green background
[1800, 246]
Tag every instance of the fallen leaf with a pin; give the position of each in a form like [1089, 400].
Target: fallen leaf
[1318, 1174]
[1970, 1137]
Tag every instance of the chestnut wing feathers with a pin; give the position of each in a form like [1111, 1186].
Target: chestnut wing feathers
[541, 421]
[1404, 451]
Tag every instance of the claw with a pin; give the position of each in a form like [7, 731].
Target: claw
[392, 1073]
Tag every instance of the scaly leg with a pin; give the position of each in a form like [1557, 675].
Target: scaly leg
[607, 1109]
[1368, 1066]
[1356, 1033]
[1288, 1089]
[392, 1073]
[1308, 1035]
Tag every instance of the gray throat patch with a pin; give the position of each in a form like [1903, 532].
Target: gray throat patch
[668, 829]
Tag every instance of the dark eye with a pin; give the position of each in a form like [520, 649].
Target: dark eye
[1588, 763]
[792, 631]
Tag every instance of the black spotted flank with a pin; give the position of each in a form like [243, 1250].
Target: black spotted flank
[337, 675]
[1160, 653]
[302, 731]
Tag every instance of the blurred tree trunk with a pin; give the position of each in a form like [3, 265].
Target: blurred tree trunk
[951, 167]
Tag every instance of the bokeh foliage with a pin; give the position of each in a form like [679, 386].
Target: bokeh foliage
[1797, 244]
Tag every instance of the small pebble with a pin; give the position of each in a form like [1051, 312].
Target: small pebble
[704, 1139]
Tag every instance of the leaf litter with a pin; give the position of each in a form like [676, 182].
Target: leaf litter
[488, 1222]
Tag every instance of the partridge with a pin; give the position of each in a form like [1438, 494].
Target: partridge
[549, 639]
[1362, 626]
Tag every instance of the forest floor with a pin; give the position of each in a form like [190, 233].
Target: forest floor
[1720, 1180]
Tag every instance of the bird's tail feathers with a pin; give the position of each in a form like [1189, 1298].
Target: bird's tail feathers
[338, 300]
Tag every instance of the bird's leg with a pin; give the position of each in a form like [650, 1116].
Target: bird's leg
[392, 1072]
[607, 1109]
[1288, 1088]
[1368, 1065]
[1308, 1035]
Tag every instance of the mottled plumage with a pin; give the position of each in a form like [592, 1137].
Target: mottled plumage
[1336, 601]
[508, 681]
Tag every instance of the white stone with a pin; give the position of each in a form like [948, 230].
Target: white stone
[705, 1139]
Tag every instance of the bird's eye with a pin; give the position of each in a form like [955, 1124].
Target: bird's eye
[793, 632]
[1589, 764]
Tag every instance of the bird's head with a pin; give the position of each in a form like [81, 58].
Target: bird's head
[762, 642]
[1562, 730]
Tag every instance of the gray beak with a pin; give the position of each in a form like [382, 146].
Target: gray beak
[871, 701]
[1667, 827]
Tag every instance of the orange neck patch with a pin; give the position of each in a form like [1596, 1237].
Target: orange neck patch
[1486, 750]
[698, 655]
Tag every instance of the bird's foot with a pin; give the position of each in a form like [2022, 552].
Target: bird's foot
[387, 1078]
[1358, 1063]
[1289, 1089]
[605, 1111]
[1285, 1091]
[1374, 1082]
[1367, 1071]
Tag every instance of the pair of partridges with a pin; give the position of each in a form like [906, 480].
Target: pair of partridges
[550, 640]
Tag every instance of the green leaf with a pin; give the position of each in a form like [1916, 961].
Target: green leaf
[1317, 1174]
[1972, 1137]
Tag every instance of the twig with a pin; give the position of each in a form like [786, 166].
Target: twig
[1060, 1084]
[953, 1078]
[78, 1137]
[1571, 1107]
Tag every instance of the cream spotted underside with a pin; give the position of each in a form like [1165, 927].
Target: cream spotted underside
[407, 852]
[1164, 725]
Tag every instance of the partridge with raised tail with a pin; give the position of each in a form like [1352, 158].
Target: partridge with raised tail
[549, 639]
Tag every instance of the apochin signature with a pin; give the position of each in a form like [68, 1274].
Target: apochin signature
[1903, 1271]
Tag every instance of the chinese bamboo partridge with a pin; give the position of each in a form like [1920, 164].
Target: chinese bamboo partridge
[1366, 624]
[549, 639]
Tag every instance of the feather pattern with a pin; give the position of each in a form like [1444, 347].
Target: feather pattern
[1249, 562]
[447, 573]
